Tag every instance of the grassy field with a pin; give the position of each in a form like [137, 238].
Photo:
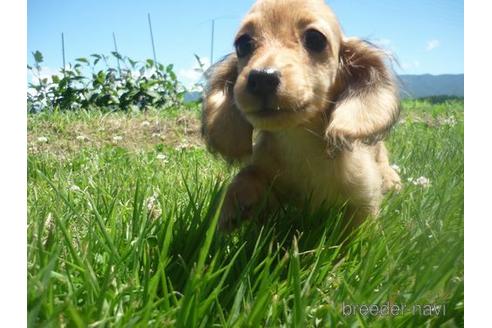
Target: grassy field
[122, 211]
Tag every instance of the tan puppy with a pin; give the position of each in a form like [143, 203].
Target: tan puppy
[319, 104]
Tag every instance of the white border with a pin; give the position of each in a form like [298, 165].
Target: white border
[478, 222]
[478, 164]
[13, 212]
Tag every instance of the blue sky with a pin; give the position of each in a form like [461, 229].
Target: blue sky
[426, 36]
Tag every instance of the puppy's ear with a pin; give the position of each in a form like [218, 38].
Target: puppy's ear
[366, 96]
[224, 128]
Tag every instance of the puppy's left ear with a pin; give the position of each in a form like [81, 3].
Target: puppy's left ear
[224, 128]
[366, 97]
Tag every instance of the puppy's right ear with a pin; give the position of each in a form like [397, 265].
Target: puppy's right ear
[224, 128]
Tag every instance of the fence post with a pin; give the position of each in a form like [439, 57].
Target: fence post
[152, 39]
[116, 50]
[63, 51]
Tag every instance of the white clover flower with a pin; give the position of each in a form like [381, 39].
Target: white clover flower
[49, 221]
[151, 201]
[99, 258]
[42, 139]
[451, 121]
[117, 138]
[153, 206]
[162, 157]
[422, 181]
[49, 225]
[75, 188]
[183, 146]
[396, 168]
[145, 124]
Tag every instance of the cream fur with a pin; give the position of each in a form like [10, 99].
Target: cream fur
[319, 135]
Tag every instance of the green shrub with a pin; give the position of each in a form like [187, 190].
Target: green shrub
[132, 86]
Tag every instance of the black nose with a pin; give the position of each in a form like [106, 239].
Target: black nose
[263, 82]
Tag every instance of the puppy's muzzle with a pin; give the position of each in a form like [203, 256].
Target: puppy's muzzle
[263, 82]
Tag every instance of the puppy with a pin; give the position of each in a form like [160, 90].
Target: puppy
[319, 104]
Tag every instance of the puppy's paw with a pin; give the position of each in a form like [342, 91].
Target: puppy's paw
[391, 181]
[239, 205]
[337, 141]
[232, 215]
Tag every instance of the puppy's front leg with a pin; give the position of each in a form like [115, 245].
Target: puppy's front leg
[246, 194]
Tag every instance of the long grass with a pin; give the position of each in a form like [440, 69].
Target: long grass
[123, 237]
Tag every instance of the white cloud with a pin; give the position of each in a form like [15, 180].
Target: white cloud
[45, 72]
[410, 65]
[386, 45]
[190, 76]
[406, 65]
[432, 44]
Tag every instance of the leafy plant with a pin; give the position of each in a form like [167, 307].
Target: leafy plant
[132, 86]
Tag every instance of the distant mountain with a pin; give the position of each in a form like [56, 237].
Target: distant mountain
[418, 86]
[192, 96]
[411, 86]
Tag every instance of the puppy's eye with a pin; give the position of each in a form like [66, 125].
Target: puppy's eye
[314, 40]
[244, 45]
